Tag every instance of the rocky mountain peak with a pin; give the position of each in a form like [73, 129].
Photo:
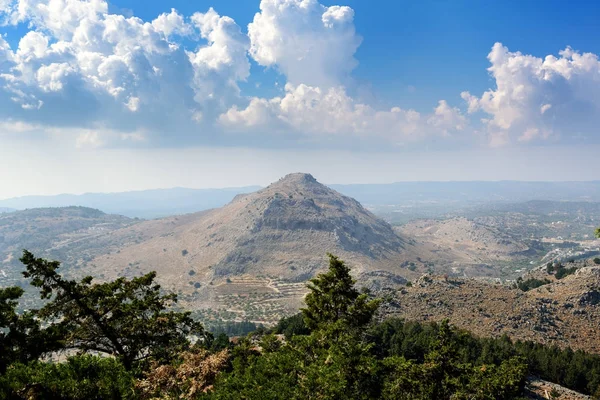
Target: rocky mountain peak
[298, 178]
[295, 181]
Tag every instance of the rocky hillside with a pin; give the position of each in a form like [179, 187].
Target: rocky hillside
[466, 247]
[251, 258]
[564, 312]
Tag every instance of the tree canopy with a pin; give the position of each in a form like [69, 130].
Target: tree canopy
[129, 319]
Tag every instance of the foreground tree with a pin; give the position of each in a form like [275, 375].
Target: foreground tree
[333, 300]
[129, 319]
[22, 339]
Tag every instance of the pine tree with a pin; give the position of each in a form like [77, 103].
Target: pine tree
[333, 300]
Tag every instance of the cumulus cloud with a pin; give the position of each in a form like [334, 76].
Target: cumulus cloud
[313, 46]
[172, 23]
[307, 42]
[223, 61]
[82, 69]
[119, 72]
[539, 99]
[311, 110]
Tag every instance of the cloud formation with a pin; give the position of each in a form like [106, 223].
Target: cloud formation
[307, 42]
[122, 73]
[313, 46]
[106, 79]
[315, 111]
[539, 99]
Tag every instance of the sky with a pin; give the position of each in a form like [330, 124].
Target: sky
[100, 96]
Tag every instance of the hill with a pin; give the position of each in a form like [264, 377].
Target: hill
[465, 247]
[563, 312]
[250, 259]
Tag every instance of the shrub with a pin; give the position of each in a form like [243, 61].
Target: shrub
[531, 283]
[81, 377]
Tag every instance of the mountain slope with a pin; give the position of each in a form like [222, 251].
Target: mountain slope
[277, 236]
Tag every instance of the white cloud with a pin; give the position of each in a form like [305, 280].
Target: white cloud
[59, 17]
[90, 139]
[447, 118]
[51, 77]
[16, 127]
[82, 68]
[172, 23]
[313, 46]
[545, 108]
[222, 63]
[311, 110]
[309, 43]
[133, 104]
[116, 66]
[537, 98]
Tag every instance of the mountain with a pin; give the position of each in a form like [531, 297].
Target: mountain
[6, 210]
[136, 204]
[262, 247]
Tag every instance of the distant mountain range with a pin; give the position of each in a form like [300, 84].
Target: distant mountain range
[136, 204]
[165, 202]
[471, 192]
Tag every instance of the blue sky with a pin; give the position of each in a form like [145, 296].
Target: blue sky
[265, 87]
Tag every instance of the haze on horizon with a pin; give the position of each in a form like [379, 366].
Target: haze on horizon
[130, 95]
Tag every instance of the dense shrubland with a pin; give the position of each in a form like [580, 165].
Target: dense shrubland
[122, 339]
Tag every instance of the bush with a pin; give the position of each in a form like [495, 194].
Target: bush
[561, 271]
[81, 377]
[531, 283]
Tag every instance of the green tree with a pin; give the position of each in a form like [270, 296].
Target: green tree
[597, 233]
[21, 337]
[292, 326]
[130, 319]
[333, 300]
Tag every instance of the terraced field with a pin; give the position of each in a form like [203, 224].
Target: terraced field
[259, 300]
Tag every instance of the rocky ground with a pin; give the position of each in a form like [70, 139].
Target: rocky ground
[564, 312]
[539, 389]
